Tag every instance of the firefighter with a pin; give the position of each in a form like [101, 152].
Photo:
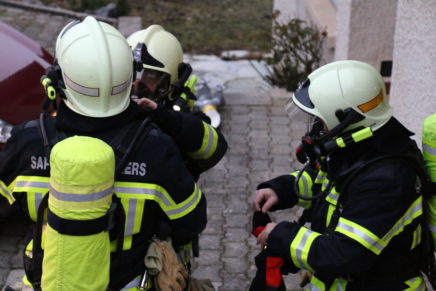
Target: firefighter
[165, 91]
[361, 227]
[93, 74]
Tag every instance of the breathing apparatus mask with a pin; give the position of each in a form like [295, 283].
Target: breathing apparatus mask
[319, 141]
[156, 85]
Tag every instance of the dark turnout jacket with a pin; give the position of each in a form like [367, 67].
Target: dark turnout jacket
[365, 232]
[154, 185]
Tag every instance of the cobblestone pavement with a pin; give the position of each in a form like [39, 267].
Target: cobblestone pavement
[261, 140]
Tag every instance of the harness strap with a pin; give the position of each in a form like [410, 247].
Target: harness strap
[37, 250]
[81, 227]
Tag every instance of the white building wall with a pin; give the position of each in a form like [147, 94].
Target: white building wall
[413, 91]
[365, 30]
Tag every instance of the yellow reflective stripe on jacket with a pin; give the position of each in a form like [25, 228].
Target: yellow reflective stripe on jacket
[416, 237]
[159, 195]
[304, 188]
[315, 284]
[370, 240]
[330, 210]
[4, 191]
[415, 284]
[339, 284]
[433, 231]
[300, 247]
[361, 235]
[429, 150]
[320, 177]
[31, 184]
[333, 196]
[33, 201]
[208, 145]
[414, 211]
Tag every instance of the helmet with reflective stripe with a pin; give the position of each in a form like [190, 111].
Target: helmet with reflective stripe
[163, 52]
[345, 86]
[97, 68]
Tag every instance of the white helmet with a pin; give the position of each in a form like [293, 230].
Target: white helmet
[163, 52]
[344, 86]
[97, 68]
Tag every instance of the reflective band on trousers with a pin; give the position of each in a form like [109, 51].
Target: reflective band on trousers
[208, 146]
[300, 247]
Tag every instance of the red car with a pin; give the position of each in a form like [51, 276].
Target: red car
[22, 62]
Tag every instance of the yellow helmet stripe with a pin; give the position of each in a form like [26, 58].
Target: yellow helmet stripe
[371, 104]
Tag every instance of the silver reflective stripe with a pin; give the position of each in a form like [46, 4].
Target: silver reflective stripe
[312, 287]
[341, 283]
[325, 184]
[305, 185]
[333, 196]
[4, 190]
[92, 92]
[186, 206]
[300, 247]
[132, 284]
[420, 287]
[361, 234]
[321, 176]
[432, 228]
[131, 217]
[403, 221]
[81, 197]
[38, 199]
[429, 149]
[32, 184]
[152, 192]
[119, 88]
[209, 145]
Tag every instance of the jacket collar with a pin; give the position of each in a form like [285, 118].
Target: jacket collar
[69, 121]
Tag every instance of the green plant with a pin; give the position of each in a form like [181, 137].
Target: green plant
[296, 51]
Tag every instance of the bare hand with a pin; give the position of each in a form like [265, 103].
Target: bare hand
[266, 196]
[146, 103]
[262, 238]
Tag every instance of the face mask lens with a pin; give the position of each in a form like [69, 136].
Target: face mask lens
[294, 112]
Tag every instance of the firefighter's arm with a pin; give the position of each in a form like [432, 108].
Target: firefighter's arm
[380, 207]
[284, 188]
[9, 167]
[186, 204]
[195, 137]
